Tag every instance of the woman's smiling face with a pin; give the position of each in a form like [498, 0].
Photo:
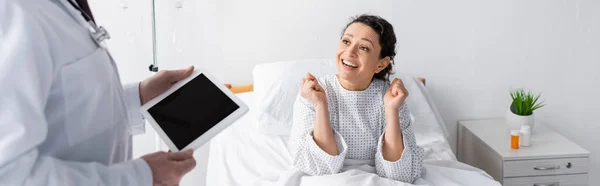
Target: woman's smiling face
[357, 56]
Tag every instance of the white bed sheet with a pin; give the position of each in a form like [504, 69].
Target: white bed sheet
[241, 155]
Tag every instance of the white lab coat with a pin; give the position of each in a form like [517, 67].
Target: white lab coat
[65, 119]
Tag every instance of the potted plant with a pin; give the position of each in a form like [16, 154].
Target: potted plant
[521, 109]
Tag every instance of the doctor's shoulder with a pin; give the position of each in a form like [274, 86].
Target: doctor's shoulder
[21, 31]
[24, 22]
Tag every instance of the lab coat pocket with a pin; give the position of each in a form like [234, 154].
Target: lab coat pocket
[93, 98]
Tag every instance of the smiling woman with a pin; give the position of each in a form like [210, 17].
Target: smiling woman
[357, 113]
[374, 40]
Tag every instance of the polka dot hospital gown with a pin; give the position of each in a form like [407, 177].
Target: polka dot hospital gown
[357, 118]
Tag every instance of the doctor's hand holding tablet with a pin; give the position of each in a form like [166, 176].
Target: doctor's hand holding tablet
[186, 108]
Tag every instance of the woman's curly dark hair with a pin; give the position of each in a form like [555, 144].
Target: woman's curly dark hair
[387, 40]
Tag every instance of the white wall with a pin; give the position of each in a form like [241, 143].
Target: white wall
[472, 52]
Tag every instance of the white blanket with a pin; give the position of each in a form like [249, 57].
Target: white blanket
[360, 173]
[240, 155]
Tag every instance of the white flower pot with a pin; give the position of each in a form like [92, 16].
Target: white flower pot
[515, 121]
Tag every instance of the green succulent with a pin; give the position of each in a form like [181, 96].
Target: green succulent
[524, 103]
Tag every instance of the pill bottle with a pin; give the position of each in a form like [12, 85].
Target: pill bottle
[514, 139]
[525, 136]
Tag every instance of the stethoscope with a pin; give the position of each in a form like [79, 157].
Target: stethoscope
[99, 34]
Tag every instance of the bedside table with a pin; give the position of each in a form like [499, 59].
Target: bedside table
[551, 160]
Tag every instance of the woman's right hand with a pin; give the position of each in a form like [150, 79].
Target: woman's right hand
[312, 91]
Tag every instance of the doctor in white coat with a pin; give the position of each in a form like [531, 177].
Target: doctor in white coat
[65, 119]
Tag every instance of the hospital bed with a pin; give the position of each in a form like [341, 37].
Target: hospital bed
[251, 152]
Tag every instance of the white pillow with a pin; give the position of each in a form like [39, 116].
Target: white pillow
[276, 86]
[429, 128]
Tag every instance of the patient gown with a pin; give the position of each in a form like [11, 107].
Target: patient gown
[357, 118]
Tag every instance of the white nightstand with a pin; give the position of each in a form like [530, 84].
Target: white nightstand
[551, 160]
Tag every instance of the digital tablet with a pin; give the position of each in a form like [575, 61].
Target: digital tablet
[193, 111]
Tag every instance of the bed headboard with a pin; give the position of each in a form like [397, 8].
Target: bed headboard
[423, 81]
[240, 89]
[250, 87]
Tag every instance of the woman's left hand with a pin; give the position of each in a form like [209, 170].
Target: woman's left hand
[395, 96]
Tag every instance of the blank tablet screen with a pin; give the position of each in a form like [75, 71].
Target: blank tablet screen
[192, 110]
